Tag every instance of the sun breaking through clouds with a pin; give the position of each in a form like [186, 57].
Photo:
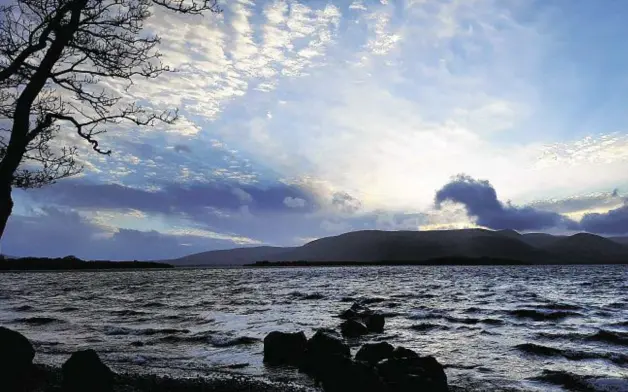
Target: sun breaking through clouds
[306, 119]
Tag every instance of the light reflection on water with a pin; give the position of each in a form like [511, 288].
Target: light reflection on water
[188, 321]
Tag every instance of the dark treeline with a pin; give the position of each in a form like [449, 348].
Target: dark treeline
[436, 261]
[73, 263]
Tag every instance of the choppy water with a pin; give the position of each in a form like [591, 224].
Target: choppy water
[518, 327]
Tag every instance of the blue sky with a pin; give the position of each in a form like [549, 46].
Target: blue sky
[308, 119]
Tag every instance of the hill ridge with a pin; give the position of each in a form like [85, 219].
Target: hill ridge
[407, 245]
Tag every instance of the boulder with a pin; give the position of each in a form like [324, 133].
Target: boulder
[323, 349]
[375, 322]
[284, 348]
[325, 343]
[410, 374]
[348, 314]
[84, 371]
[353, 328]
[341, 374]
[372, 353]
[402, 352]
[16, 358]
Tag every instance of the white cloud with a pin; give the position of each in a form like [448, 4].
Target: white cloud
[294, 202]
[357, 5]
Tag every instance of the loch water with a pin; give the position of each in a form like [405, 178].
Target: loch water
[528, 328]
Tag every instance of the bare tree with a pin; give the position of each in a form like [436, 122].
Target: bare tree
[54, 54]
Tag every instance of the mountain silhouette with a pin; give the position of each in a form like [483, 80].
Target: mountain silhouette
[403, 246]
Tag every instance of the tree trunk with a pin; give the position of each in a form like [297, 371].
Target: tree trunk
[6, 205]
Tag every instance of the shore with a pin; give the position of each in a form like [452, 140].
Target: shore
[72, 263]
[48, 379]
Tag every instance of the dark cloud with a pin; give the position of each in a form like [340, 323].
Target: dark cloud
[612, 222]
[57, 232]
[191, 200]
[481, 202]
[580, 203]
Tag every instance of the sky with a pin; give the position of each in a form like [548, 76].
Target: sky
[306, 119]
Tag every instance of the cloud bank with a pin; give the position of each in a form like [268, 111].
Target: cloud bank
[480, 200]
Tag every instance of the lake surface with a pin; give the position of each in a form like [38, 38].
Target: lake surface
[521, 327]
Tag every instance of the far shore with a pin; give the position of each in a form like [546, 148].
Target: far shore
[71, 263]
[445, 261]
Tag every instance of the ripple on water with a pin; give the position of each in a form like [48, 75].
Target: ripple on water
[190, 320]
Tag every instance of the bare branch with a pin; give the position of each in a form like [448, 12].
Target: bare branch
[54, 56]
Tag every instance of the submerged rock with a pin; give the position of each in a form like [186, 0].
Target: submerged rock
[284, 348]
[373, 321]
[84, 371]
[16, 358]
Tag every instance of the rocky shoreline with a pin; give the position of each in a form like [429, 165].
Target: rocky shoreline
[325, 357]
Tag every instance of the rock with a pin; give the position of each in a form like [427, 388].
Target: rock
[84, 371]
[320, 352]
[340, 374]
[16, 358]
[284, 348]
[375, 322]
[325, 343]
[409, 374]
[372, 353]
[353, 328]
[348, 314]
[402, 352]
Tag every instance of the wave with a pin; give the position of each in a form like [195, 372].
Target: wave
[304, 296]
[462, 320]
[211, 337]
[538, 315]
[614, 337]
[428, 327]
[602, 335]
[68, 309]
[578, 382]
[111, 330]
[38, 320]
[239, 341]
[473, 321]
[560, 306]
[127, 312]
[618, 305]
[574, 355]
[23, 308]
[370, 300]
[153, 305]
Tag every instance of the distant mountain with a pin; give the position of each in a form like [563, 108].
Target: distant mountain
[237, 256]
[374, 245]
[620, 240]
[414, 245]
[589, 247]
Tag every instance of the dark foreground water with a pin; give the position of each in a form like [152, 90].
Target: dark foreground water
[528, 328]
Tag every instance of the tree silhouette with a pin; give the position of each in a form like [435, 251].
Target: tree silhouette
[54, 56]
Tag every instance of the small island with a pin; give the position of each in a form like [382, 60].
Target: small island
[72, 263]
